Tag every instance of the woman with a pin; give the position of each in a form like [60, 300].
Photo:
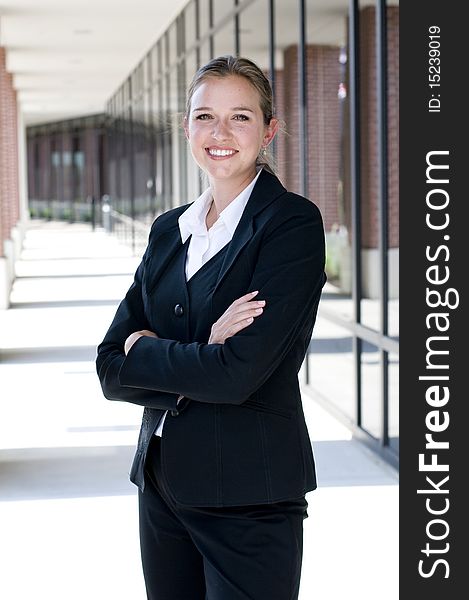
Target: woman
[209, 339]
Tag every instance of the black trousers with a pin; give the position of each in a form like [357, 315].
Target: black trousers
[230, 553]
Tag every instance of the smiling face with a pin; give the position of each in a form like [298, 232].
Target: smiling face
[226, 129]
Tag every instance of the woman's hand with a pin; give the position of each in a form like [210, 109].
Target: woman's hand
[133, 337]
[239, 315]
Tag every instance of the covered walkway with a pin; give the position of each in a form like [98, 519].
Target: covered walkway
[68, 514]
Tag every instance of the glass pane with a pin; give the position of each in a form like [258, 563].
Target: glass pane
[369, 183]
[146, 70]
[55, 166]
[394, 402]
[371, 390]
[190, 25]
[224, 40]
[172, 43]
[155, 62]
[393, 169]
[173, 125]
[286, 92]
[328, 139]
[370, 174]
[221, 8]
[205, 53]
[193, 181]
[78, 167]
[67, 165]
[254, 34]
[204, 17]
[331, 366]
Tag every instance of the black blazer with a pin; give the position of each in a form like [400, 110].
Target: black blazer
[240, 437]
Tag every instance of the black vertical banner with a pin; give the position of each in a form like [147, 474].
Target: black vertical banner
[434, 247]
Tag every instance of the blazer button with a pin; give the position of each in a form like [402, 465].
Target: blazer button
[178, 310]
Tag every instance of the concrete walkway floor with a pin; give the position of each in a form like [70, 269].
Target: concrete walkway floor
[68, 514]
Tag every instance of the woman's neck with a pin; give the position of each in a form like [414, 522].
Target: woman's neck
[225, 191]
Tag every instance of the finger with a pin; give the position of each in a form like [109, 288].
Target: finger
[247, 309]
[147, 333]
[245, 298]
[237, 327]
[252, 311]
[235, 309]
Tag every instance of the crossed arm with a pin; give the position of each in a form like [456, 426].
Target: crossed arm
[135, 365]
[240, 314]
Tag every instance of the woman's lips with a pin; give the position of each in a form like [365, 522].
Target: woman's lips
[220, 153]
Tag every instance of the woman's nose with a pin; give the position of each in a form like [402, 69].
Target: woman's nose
[220, 131]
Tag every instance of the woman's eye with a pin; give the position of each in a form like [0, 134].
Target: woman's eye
[203, 117]
[241, 118]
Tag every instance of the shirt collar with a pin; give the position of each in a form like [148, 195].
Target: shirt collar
[192, 220]
[232, 214]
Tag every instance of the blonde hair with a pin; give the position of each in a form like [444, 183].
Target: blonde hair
[224, 66]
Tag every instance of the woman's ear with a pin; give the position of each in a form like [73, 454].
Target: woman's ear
[270, 131]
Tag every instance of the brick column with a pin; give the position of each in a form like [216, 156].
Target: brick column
[323, 130]
[369, 124]
[369, 153]
[323, 80]
[280, 141]
[289, 167]
[9, 190]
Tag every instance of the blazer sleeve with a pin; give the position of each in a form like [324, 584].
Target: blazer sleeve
[289, 275]
[129, 317]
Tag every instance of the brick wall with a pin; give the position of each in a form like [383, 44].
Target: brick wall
[393, 125]
[326, 148]
[289, 154]
[9, 191]
[280, 140]
[323, 128]
[323, 79]
[369, 124]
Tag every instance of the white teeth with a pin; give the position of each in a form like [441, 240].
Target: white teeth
[214, 152]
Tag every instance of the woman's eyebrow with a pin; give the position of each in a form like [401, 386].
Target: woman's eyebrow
[234, 108]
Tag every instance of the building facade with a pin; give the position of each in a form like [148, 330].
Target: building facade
[333, 65]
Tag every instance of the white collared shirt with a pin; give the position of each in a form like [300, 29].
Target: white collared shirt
[206, 243]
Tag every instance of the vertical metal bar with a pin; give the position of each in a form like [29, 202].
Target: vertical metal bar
[150, 133]
[160, 136]
[131, 159]
[355, 189]
[303, 123]
[273, 81]
[60, 169]
[236, 30]
[48, 147]
[381, 99]
[72, 176]
[302, 93]
[168, 164]
[95, 171]
[197, 33]
[210, 26]
[198, 60]
[182, 153]
[272, 44]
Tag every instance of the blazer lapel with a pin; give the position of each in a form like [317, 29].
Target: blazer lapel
[266, 190]
[163, 249]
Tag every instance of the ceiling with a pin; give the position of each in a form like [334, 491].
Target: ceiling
[67, 57]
